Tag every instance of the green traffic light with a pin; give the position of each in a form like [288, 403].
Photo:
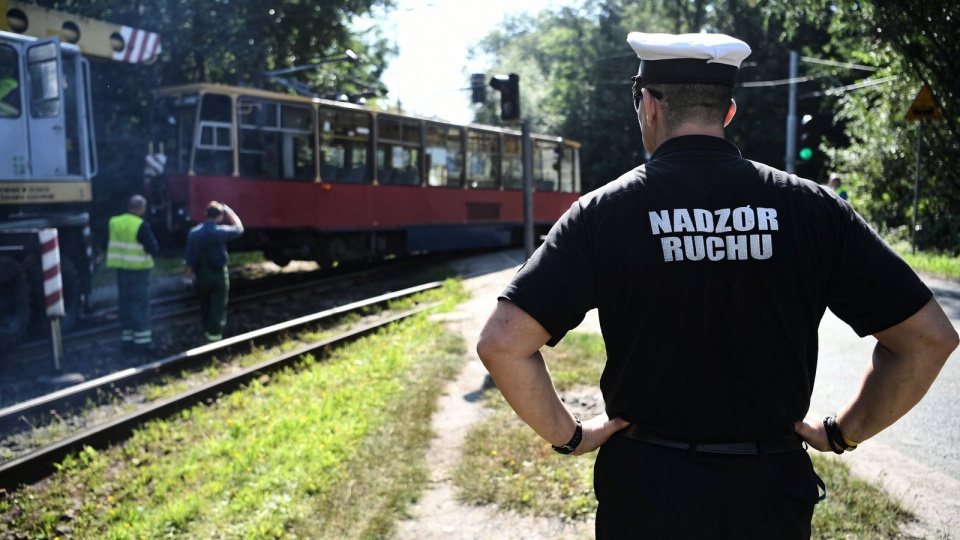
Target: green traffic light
[806, 153]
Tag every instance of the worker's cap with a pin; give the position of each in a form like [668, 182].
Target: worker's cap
[687, 58]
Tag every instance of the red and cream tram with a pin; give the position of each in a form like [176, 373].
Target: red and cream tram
[328, 181]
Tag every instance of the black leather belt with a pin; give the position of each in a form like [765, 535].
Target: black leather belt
[778, 445]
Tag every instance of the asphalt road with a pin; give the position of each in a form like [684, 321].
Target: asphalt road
[918, 458]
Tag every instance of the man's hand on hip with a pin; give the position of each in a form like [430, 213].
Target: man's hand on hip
[597, 431]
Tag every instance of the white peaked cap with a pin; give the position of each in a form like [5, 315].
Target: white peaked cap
[688, 58]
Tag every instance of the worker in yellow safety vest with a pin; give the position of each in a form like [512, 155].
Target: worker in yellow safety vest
[130, 250]
[836, 184]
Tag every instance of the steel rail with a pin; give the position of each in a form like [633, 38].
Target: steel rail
[40, 463]
[79, 394]
[175, 307]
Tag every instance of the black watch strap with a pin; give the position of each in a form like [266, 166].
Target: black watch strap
[574, 442]
[835, 438]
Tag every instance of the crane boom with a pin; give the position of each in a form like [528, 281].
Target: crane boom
[96, 39]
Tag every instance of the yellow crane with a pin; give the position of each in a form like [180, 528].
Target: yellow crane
[48, 159]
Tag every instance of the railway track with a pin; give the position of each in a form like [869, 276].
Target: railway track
[256, 302]
[101, 327]
[39, 462]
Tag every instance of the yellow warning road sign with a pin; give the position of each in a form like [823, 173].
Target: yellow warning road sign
[924, 106]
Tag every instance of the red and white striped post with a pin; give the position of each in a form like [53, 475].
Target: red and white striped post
[53, 290]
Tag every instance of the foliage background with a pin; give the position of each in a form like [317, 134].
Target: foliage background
[574, 65]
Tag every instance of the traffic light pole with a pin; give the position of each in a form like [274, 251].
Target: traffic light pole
[527, 151]
[509, 88]
[791, 157]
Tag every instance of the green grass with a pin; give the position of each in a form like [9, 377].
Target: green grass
[939, 264]
[334, 448]
[507, 464]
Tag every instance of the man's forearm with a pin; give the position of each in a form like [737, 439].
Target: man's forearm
[892, 385]
[526, 385]
[509, 347]
[906, 360]
[233, 217]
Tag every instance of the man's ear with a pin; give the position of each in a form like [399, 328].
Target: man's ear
[651, 106]
[730, 113]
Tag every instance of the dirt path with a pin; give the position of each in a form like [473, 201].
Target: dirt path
[438, 514]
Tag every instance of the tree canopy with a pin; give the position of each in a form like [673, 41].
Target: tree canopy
[863, 62]
[219, 41]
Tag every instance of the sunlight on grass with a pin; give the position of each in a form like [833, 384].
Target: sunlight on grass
[331, 449]
[936, 263]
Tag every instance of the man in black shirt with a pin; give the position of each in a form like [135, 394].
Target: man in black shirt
[711, 274]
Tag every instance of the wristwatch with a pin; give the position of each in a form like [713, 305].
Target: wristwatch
[574, 442]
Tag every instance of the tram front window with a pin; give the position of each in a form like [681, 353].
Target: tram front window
[172, 125]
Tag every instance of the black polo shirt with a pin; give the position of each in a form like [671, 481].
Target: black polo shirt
[711, 274]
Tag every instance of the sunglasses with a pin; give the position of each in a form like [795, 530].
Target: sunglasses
[638, 96]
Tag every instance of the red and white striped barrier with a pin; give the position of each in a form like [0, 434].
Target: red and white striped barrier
[139, 46]
[155, 164]
[52, 279]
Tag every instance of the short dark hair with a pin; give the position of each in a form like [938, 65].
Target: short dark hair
[214, 209]
[702, 103]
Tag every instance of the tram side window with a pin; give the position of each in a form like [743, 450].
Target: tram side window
[10, 102]
[483, 151]
[569, 179]
[345, 146]
[276, 140]
[512, 162]
[298, 152]
[546, 165]
[444, 155]
[215, 147]
[398, 151]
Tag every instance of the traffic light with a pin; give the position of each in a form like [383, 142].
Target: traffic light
[478, 88]
[808, 137]
[509, 87]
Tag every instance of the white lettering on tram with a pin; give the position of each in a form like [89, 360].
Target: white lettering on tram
[732, 234]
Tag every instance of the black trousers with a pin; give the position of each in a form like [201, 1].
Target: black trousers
[649, 491]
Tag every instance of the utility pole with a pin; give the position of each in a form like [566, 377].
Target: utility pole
[791, 157]
[923, 109]
[527, 149]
